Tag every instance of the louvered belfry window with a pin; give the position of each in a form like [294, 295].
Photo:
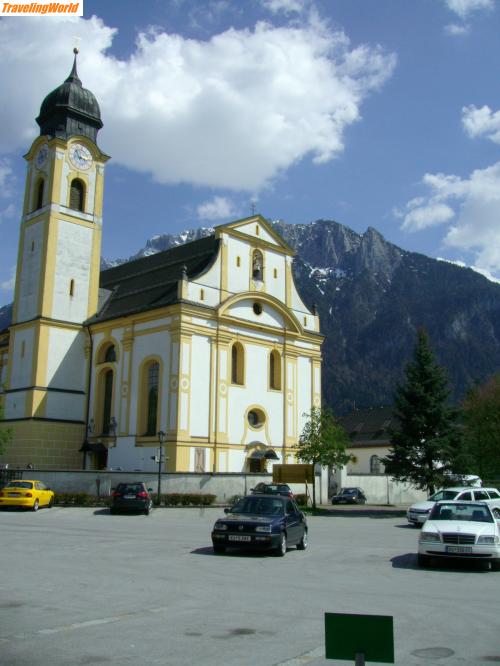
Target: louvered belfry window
[77, 195]
[39, 195]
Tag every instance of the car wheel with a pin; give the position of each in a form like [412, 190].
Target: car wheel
[219, 550]
[147, 510]
[495, 565]
[35, 506]
[281, 550]
[302, 545]
[51, 503]
[423, 560]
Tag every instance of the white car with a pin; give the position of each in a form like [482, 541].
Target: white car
[467, 530]
[418, 513]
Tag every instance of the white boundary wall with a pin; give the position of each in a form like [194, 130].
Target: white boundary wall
[223, 486]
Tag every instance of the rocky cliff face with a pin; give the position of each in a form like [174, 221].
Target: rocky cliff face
[372, 297]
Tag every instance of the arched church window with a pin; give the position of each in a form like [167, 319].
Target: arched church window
[237, 363]
[39, 194]
[77, 195]
[374, 465]
[257, 265]
[107, 400]
[110, 354]
[275, 370]
[151, 383]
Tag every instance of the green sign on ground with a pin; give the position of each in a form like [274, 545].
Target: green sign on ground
[348, 635]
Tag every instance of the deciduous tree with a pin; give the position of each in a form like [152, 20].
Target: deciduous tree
[481, 419]
[323, 442]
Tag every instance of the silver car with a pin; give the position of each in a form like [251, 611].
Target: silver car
[418, 513]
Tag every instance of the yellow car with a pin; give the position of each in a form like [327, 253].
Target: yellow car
[26, 493]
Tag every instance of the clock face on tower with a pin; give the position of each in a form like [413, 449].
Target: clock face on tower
[80, 156]
[41, 156]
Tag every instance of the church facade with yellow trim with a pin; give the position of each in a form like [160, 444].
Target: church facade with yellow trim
[207, 346]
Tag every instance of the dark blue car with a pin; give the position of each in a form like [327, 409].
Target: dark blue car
[261, 522]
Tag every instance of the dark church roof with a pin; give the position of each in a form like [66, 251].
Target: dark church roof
[70, 110]
[151, 282]
[369, 427]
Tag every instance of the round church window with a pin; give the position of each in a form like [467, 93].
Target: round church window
[257, 308]
[256, 418]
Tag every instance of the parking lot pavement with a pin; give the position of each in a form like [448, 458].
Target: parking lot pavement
[80, 586]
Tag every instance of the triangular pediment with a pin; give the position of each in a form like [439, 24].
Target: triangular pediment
[257, 229]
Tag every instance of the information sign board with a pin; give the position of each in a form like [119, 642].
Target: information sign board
[348, 635]
[293, 473]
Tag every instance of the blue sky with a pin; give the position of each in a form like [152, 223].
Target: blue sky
[382, 113]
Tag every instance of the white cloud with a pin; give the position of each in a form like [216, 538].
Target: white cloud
[481, 122]
[470, 207]
[8, 285]
[285, 6]
[464, 8]
[457, 29]
[462, 264]
[428, 215]
[234, 111]
[217, 208]
[6, 178]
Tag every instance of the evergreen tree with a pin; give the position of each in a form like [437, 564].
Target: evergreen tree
[322, 442]
[426, 441]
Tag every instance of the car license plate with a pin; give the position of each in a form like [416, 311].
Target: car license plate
[239, 537]
[129, 496]
[459, 549]
[14, 494]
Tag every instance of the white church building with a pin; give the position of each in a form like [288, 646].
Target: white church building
[206, 347]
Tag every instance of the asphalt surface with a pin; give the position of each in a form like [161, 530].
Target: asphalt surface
[81, 587]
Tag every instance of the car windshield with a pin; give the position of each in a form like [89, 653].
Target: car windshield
[348, 491]
[130, 487]
[20, 484]
[444, 495]
[467, 511]
[259, 506]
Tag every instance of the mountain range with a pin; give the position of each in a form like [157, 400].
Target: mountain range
[372, 297]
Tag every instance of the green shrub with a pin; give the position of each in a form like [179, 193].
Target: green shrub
[301, 499]
[233, 499]
[188, 499]
[171, 499]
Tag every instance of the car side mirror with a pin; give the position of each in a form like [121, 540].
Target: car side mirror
[226, 510]
[150, 490]
[252, 489]
[113, 488]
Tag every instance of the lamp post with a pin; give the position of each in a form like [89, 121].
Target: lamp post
[161, 439]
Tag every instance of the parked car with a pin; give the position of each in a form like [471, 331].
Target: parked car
[26, 493]
[261, 522]
[272, 489]
[132, 496]
[349, 496]
[466, 530]
[418, 513]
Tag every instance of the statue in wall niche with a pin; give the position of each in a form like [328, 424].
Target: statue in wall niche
[257, 265]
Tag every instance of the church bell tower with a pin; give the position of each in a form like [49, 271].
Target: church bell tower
[57, 279]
